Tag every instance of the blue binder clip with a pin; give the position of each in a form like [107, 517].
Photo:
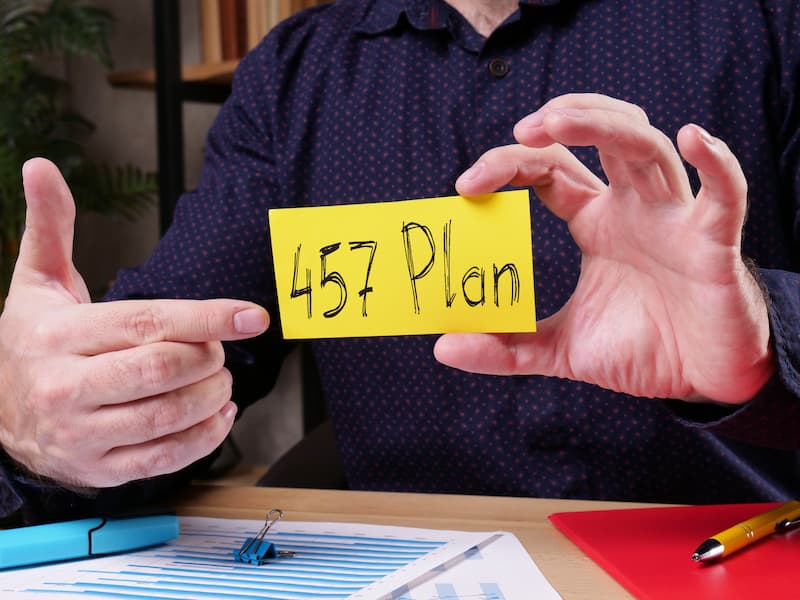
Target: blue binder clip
[257, 550]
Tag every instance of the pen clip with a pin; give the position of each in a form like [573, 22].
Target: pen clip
[787, 524]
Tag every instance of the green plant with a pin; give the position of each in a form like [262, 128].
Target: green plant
[35, 120]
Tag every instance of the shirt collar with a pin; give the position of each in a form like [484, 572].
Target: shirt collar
[384, 15]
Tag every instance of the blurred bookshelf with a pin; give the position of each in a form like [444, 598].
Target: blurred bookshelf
[228, 30]
[219, 73]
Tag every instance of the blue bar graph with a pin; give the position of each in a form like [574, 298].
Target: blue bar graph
[200, 564]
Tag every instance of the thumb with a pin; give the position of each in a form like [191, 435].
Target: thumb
[46, 247]
[503, 353]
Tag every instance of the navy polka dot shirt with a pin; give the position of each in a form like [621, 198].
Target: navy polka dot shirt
[374, 100]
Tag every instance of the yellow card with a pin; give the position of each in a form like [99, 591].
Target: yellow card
[407, 267]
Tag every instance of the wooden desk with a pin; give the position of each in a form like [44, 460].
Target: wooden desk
[571, 572]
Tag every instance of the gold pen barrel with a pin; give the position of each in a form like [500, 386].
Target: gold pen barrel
[757, 527]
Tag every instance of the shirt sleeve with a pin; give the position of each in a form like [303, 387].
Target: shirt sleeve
[27, 499]
[10, 500]
[772, 417]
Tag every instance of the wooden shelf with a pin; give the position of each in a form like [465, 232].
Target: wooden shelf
[145, 79]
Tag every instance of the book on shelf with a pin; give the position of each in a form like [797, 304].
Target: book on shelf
[230, 28]
[210, 31]
[257, 21]
[229, 25]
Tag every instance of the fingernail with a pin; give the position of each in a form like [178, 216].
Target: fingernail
[705, 136]
[572, 113]
[229, 411]
[26, 167]
[472, 172]
[532, 121]
[251, 320]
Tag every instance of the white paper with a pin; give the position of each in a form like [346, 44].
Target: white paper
[332, 561]
[500, 569]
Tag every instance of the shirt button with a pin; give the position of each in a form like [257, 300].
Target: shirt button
[499, 67]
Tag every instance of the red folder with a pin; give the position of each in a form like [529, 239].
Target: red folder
[648, 550]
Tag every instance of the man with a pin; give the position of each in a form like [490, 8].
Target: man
[661, 371]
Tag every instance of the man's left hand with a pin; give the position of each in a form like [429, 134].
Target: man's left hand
[665, 305]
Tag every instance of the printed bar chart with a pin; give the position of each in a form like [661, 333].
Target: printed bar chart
[329, 561]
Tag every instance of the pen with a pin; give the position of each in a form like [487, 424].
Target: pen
[83, 538]
[745, 533]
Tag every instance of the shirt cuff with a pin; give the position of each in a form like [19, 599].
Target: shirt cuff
[772, 417]
[784, 319]
[10, 500]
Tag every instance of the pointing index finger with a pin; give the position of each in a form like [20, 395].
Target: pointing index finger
[111, 326]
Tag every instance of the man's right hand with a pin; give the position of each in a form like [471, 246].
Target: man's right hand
[95, 395]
